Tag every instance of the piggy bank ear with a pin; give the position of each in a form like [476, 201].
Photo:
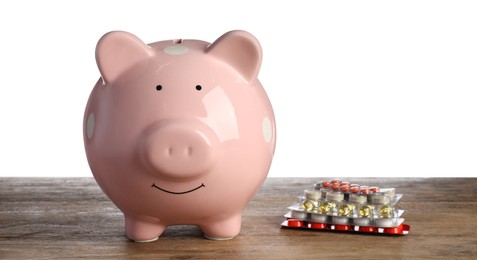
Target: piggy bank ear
[241, 50]
[116, 51]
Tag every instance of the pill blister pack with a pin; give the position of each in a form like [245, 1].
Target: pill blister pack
[342, 206]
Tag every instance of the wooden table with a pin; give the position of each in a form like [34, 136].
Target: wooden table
[44, 218]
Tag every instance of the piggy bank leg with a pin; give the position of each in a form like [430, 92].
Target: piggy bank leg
[143, 229]
[223, 229]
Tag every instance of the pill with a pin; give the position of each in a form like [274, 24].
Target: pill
[357, 198]
[374, 189]
[309, 205]
[335, 186]
[385, 222]
[391, 192]
[335, 196]
[346, 210]
[344, 188]
[326, 207]
[361, 221]
[366, 211]
[340, 220]
[364, 190]
[312, 195]
[379, 198]
[386, 212]
[298, 214]
[319, 218]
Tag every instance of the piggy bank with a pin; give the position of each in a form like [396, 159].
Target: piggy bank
[180, 131]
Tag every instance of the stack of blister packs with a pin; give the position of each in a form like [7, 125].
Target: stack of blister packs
[342, 206]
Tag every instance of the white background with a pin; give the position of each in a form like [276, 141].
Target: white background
[359, 88]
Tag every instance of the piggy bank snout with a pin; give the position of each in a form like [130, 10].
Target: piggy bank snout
[178, 151]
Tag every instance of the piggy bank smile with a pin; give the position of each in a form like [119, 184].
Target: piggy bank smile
[177, 192]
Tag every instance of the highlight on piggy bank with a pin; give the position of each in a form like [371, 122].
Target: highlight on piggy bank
[179, 131]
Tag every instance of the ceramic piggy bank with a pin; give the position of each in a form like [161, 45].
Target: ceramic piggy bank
[179, 131]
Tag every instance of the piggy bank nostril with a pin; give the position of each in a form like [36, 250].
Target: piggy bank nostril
[188, 151]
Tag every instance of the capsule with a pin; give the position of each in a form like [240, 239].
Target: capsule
[358, 198]
[346, 210]
[326, 207]
[391, 192]
[374, 189]
[319, 218]
[385, 222]
[354, 189]
[309, 205]
[364, 190]
[296, 214]
[335, 196]
[313, 194]
[386, 212]
[366, 211]
[335, 186]
[362, 221]
[379, 198]
[344, 188]
[340, 220]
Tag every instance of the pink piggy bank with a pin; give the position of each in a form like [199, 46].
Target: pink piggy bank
[179, 131]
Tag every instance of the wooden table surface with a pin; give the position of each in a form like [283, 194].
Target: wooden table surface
[45, 218]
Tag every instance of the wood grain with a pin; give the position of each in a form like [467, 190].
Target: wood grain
[45, 218]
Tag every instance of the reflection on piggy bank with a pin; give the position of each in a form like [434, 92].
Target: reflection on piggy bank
[179, 131]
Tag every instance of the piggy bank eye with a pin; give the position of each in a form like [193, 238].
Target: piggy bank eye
[198, 87]
[159, 87]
